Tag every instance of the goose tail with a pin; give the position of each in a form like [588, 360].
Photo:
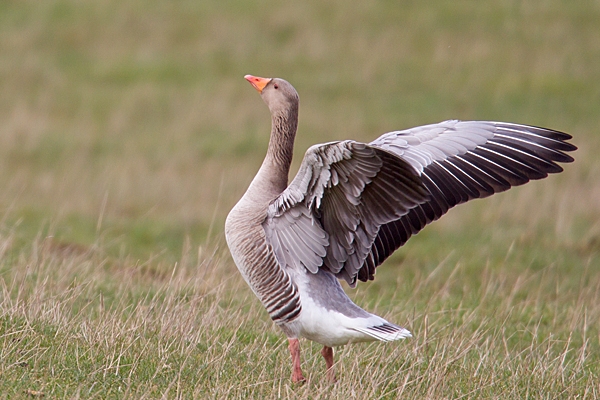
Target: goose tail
[385, 332]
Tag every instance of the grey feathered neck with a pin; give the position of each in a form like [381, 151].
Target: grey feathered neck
[284, 123]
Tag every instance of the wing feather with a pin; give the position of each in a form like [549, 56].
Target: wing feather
[343, 192]
[491, 158]
[352, 204]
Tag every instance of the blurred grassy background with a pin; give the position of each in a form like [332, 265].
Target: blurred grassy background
[136, 111]
[126, 127]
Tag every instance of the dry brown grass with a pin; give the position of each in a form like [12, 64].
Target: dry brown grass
[193, 330]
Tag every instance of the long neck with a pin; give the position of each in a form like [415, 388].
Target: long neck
[281, 143]
[272, 178]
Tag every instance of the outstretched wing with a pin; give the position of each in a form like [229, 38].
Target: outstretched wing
[330, 214]
[463, 160]
[352, 205]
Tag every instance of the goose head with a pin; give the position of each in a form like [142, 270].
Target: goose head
[278, 94]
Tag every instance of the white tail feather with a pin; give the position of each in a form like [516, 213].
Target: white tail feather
[385, 332]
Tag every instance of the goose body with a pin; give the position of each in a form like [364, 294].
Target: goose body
[352, 204]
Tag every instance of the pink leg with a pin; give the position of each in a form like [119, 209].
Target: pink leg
[294, 346]
[327, 354]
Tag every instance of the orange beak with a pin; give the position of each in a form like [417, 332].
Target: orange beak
[258, 82]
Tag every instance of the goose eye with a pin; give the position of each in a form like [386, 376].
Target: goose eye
[276, 86]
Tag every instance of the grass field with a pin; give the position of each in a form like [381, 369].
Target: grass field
[127, 133]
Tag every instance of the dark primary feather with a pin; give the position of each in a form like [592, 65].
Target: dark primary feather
[514, 155]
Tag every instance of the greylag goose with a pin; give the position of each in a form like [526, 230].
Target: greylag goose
[352, 204]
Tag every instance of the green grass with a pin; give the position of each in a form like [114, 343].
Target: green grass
[127, 133]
